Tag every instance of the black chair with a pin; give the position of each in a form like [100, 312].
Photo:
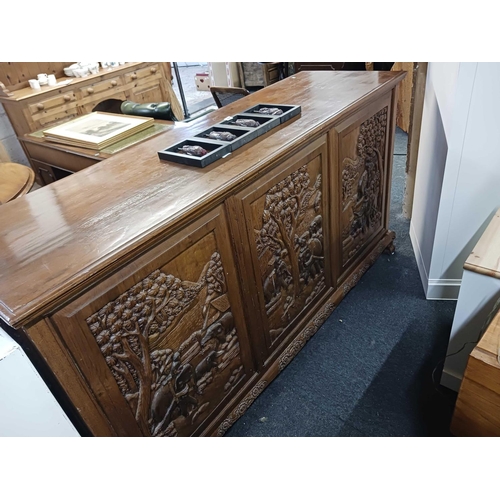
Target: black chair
[226, 95]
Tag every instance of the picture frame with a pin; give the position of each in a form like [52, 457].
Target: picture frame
[97, 130]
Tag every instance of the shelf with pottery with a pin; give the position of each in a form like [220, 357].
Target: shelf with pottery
[31, 110]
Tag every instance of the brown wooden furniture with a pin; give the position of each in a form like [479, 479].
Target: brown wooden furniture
[54, 161]
[258, 74]
[226, 95]
[31, 110]
[317, 66]
[165, 298]
[15, 181]
[477, 410]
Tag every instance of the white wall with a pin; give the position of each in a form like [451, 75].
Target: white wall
[433, 150]
[458, 171]
[27, 407]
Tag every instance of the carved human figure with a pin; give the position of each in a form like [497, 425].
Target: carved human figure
[279, 279]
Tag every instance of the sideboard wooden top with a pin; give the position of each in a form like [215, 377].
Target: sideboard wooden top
[485, 258]
[62, 238]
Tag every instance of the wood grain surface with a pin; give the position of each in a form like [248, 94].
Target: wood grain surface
[485, 258]
[477, 410]
[65, 237]
[16, 180]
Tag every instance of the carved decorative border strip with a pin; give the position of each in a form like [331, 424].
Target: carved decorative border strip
[306, 334]
[300, 341]
[241, 408]
[354, 278]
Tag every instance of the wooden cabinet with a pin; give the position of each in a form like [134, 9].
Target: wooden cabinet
[165, 339]
[476, 412]
[44, 173]
[166, 298]
[285, 242]
[363, 156]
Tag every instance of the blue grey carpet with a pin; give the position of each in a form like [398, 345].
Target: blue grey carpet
[368, 369]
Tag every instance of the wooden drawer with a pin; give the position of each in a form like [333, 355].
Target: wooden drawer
[272, 75]
[141, 74]
[53, 117]
[47, 174]
[67, 99]
[67, 160]
[88, 105]
[99, 87]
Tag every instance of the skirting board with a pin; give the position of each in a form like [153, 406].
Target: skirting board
[450, 380]
[434, 289]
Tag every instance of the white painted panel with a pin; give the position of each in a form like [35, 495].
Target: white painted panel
[476, 302]
[444, 78]
[27, 407]
[448, 201]
[477, 191]
[432, 155]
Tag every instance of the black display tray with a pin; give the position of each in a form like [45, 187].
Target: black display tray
[216, 150]
[243, 135]
[219, 149]
[266, 122]
[289, 111]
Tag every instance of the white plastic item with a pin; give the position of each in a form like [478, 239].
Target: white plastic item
[34, 84]
[27, 407]
[202, 81]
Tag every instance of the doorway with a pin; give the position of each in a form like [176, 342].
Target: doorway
[197, 99]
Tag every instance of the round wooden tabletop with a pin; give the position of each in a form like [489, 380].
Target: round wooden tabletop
[15, 180]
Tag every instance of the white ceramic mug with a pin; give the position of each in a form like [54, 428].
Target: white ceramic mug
[42, 78]
[34, 84]
[52, 80]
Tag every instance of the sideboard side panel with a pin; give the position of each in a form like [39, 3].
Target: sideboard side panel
[362, 150]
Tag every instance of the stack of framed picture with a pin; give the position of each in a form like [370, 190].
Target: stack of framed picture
[97, 130]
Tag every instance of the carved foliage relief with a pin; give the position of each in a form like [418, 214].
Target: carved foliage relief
[171, 345]
[288, 229]
[362, 185]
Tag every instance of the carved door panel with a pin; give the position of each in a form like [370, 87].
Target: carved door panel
[162, 343]
[287, 230]
[362, 146]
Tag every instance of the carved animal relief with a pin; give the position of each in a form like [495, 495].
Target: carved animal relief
[172, 347]
[289, 239]
[362, 185]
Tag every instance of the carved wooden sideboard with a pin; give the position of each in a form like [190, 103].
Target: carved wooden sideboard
[162, 299]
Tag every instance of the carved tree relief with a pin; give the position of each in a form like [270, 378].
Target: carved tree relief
[289, 239]
[172, 347]
[362, 185]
